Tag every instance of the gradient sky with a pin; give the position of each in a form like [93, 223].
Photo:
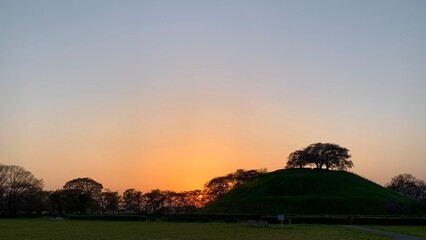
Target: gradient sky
[169, 94]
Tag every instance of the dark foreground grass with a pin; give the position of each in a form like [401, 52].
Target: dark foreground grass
[23, 229]
[410, 230]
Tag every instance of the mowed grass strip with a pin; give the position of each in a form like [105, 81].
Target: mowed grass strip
[24, 229]
[410, 230]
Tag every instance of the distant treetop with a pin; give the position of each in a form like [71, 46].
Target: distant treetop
[327, 155]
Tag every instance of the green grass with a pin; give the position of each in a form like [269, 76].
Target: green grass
[34, 229]
[410, 230]
[310, 191]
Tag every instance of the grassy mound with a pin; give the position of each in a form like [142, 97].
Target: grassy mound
[311, 191]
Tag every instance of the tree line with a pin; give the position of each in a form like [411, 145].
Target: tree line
[21, 193]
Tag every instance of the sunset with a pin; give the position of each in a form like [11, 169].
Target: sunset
[169, 95]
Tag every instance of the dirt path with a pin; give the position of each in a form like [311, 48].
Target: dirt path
[395, 236]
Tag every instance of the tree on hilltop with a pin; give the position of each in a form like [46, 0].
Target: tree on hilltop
[328, 155]
[297, 159]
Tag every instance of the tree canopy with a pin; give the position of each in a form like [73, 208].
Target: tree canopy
[85, 189]
[20, 191]
[409, 186]
[133, 200]
[218, 186]
[327, 155]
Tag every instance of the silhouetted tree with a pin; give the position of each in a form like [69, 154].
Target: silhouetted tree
[64, 201]
[155, 200]
[108, 201]
[328, 155]
[85, 189]
[195, 199]
[298, 159]
[409, 186]
[173, 202]
[182, 202]
[219, 186]
[58, 201]
[241, 175]
[3, 179]
[20, 191]
[36, 203]
[134, 201]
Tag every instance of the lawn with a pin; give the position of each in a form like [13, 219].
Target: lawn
[410, 230]
[23, 229]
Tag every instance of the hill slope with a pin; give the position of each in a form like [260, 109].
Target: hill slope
[306, 191]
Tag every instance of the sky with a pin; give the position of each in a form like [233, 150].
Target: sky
[169, 94]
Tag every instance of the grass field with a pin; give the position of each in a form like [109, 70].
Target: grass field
[410, 230]
[24, 229]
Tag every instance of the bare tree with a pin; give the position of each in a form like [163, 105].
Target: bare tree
[409, 186]
[19, 190]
